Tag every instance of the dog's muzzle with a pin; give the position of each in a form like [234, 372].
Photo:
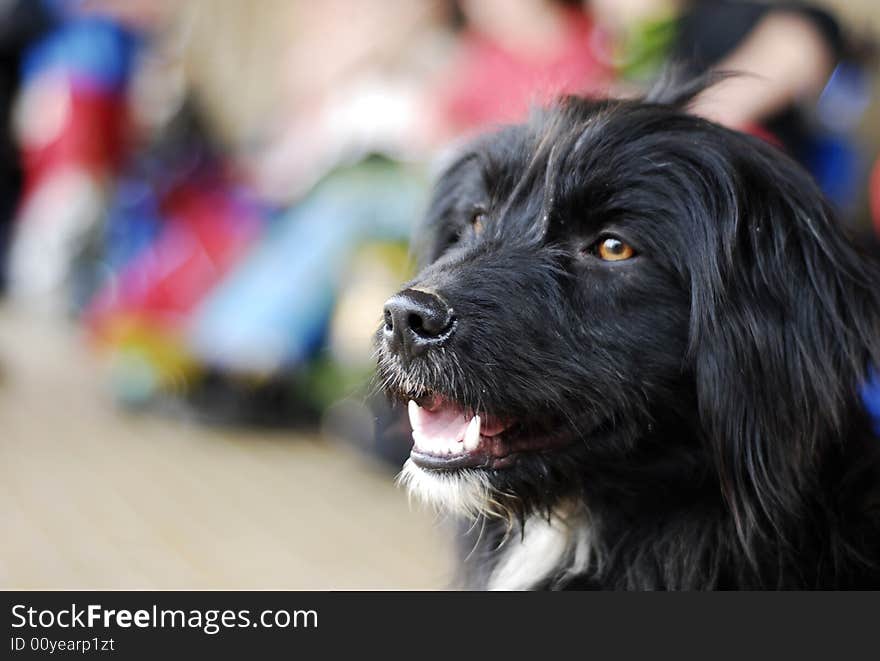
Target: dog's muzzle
[415, 321]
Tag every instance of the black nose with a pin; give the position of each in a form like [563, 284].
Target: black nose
[416, 320]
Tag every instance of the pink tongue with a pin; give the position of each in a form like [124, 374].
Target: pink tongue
[445, 424]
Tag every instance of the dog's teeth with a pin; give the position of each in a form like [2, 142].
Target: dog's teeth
[472, 434]
[414, 418]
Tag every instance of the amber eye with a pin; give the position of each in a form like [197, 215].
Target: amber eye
[478, 221]
[614, 250]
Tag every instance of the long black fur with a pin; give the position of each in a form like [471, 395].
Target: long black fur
[710, 384]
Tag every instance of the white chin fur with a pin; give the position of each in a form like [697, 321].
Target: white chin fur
[464, 492]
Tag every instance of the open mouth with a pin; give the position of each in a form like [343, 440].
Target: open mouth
[447, 437]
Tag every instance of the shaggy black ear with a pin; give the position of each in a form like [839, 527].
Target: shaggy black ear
[785, 321]
[441, 227]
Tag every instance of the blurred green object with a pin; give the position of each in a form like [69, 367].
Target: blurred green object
[642, 53]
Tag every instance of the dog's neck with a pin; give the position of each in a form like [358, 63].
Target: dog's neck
[567, 542]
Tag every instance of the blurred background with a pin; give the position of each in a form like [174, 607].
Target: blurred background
[204, 204]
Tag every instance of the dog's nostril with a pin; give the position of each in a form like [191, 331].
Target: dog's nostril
[429, 323]
[430, 326]
[416, 319]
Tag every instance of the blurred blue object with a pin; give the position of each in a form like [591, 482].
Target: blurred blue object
[92, 51]
[272, 311]
[845, 98]
[832, 155]
[133, 221]
[838, 167]
[871, 398]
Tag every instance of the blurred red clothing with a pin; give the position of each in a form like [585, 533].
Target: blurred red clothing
[490, 84]
[91, 135]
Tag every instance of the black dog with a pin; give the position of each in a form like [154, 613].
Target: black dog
[634, 360]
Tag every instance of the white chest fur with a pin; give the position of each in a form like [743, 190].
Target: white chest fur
[548, 549]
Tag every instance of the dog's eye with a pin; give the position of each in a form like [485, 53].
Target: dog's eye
[612, 249]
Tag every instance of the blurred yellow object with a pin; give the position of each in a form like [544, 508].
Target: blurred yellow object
[144, 359]
[375, 273]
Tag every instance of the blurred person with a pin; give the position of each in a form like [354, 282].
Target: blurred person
[327, 84]
[796, 79]
[71, 122]
[782, 52]
[512, 55]
[21, 23]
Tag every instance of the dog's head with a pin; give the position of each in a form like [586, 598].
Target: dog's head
[620, 288]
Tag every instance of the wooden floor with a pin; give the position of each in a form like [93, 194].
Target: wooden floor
[91, 497]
